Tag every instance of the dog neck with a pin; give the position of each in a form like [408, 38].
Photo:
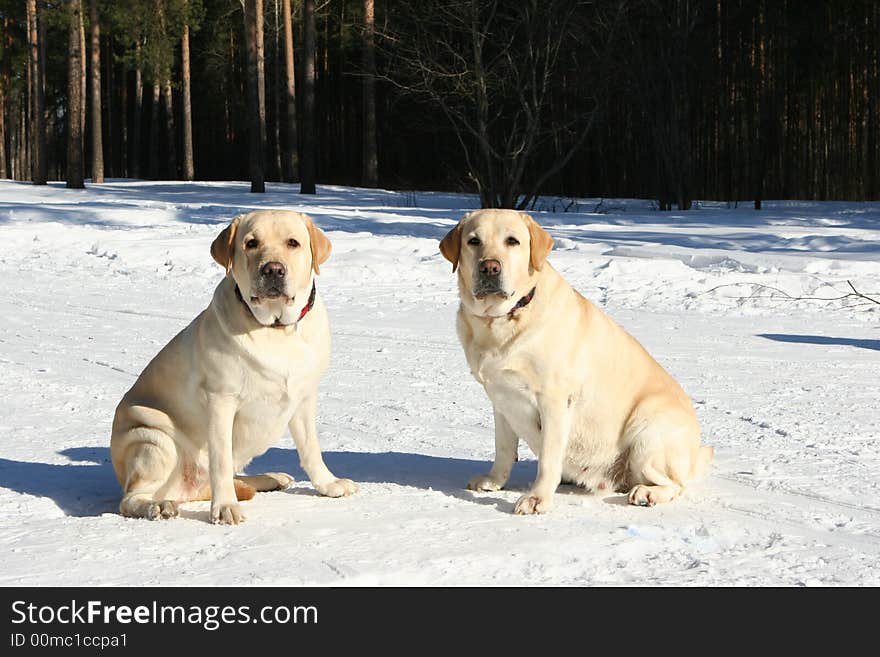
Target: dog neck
[510, 314]
[278, 324]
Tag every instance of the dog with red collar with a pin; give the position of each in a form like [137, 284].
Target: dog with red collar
[226, 387]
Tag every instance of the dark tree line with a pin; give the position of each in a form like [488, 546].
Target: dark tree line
[674, 100]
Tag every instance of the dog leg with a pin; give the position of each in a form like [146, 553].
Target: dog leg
[663, 489]
[662, 458]
[506, 443]
[149, 462]
[305, 435]
[555, 430]
[224, 502]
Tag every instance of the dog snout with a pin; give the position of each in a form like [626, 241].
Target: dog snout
[490, 267]
[273, 270]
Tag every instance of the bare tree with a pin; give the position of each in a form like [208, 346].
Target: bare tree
[491, 68]
[256, 110]
[307, 164]
[660, 65]
[290, 158]
[371, 163]
[188, 165]
[75, 97]
[36, 92]
[95, 60]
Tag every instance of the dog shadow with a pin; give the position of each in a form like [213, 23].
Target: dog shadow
[87, 486]
[439, 473]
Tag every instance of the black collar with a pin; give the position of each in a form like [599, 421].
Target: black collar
[522, 303]
[278, 323]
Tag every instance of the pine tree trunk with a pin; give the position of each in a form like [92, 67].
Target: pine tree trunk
[137, 118]
[256, 117]
[123, 124]
[84, 66]
[108, 90]
[22, 141]
[6, 40]
[188, 166]
[371, 164]
[290, 158]
[97, 138]
[75, 98]
[170, 133]
[307, 165]
[261, 71]
[153, 165]
[37, 117]
[3, 83]
[276, 101]
[3, 171]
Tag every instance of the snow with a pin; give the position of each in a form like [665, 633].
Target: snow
[786, 391]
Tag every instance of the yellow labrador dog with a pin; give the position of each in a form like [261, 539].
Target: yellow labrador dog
[225, 388]
[585, 396]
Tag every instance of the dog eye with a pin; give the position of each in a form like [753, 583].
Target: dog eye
[474, 241]
[252, 243]
[292, 243]
[512, 241]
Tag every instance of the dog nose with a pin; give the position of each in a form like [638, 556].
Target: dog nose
[273, 270]
[490, 267]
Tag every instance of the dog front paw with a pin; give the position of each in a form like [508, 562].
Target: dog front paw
[226, 514]
[162, 510]
[532, 503]
[337, 488]
[484, 483]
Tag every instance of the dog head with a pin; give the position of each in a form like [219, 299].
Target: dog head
[497, 254]
[271, 255]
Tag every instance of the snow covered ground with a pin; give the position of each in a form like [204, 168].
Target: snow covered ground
[96, 281]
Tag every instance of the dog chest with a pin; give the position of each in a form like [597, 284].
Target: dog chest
[513, 396]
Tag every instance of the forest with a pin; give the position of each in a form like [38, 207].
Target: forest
[672, 100]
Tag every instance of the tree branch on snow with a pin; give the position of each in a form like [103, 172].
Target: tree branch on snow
[777, 293]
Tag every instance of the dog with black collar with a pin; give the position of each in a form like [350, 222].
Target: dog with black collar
[585, 396]
[225, 388]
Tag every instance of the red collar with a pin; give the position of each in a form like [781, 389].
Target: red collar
[309, 305]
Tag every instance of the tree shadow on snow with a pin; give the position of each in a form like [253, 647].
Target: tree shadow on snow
[87, 487]
[823, 339]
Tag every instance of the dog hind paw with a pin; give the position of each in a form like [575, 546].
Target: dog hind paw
[530, 504]
[484, 483]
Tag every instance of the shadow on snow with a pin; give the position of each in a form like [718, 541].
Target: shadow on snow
[87, 486]
[823, 339]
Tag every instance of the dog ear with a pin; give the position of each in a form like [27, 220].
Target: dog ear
[540, 240]
[450, 245]
[223, 246]
[320, 244]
